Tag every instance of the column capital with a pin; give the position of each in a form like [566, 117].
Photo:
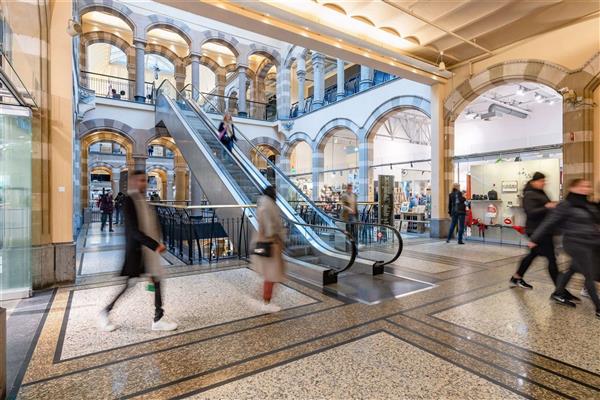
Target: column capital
[139, 43]
[318, 58]
[139, 156]
[241, 68]
[195, 57]
[301, 74]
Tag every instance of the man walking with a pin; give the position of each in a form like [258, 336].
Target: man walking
[350, 211]
[537, 206]
[119, 208]
[141, 251]
[106, 207]
[457, 209]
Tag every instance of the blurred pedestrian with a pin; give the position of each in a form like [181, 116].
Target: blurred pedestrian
[227, 132]
[537, 206]
[106, 208]
[269, 242]
[579, 221]
[118, 208]
[457, 209]
[142, 252]
[349, 213]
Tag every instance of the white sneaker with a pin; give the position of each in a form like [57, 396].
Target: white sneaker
[104, 322]
[164, 325]
[584, 293]
[270, 308]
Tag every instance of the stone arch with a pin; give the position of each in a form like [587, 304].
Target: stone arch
[267, 141]
[91, 126]
[293, 53]
[114, 8]
[379, 115]
[293, 140]
[90, 38]
[154, 48]
[332, 126]
[270, 54]
[221, 38]
[169, 24]
[95, 167]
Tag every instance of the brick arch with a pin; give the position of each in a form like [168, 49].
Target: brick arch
[395, 104]
[114, 8]
[263, 69]
[91, 38]
[154, 48]
[268, 141]
[330, 127]
[271, 54]
[170, 24]
[101, 168]
[293, 140]
[91, 126]
[101, 164]
[221, 38]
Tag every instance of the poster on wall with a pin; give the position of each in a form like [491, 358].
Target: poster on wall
[386, 199]
[510, 186]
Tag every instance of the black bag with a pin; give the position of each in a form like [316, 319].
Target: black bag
[263, 249]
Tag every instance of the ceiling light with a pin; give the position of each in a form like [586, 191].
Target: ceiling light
[521, 91]
[442, 64]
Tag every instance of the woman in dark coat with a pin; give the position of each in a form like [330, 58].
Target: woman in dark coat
[227, 132]
[579, 221]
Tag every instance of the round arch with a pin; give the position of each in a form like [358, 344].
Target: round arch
[114, 8]
[269, 54]
[223, 39]
[169, 24]
[292, 141]
[267, 141]
[331, 127]
[380, 114]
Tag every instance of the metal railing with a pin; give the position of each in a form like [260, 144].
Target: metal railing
[103, 86]
[218, 104]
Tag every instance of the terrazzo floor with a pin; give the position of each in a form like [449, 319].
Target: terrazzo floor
[466, 336]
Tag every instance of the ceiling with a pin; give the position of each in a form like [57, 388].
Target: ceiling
[402, 37]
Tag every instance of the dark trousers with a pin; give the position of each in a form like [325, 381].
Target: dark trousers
[118, 216]
[352, 229]
[103, 218]
[545, 249]
[585, 261]
[457, 219]
[158, 310]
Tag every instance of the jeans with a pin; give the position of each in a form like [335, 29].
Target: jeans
[545, 249]
[118, 216]
[585, 261]
[460, 220]
[158, 310]
[103, 218]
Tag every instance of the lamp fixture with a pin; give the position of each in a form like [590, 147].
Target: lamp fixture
[442, 64]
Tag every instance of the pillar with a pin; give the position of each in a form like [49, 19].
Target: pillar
[180, 79]
[195, 76]
[366, 78]
[139, 162]
[301, 75]
[116, 180]
[242, 89]
[365, 173]
[318, 61]
[181, 183]
[341, 81]
[140, 95]
[170, 181]
[317, 172]
[283, 92]
[441, 169]
[220, 83]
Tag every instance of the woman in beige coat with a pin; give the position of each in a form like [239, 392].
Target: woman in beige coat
[270, 230]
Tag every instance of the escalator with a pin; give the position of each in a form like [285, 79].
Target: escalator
[318, 250]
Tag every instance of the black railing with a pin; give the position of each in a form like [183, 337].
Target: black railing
[124, 89]
[196, 234]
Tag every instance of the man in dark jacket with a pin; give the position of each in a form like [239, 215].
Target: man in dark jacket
[106, 207]
[537, 206]
[140, 231]
[457, 209]
[579, 221]
[119, 208]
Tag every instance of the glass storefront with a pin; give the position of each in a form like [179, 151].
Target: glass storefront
[15, 202]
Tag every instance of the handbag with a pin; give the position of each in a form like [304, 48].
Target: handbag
[263, 249]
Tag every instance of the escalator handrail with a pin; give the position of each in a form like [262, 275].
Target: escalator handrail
[324, 216]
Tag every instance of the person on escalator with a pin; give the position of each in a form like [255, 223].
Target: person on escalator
[227, 132]
[268, 245]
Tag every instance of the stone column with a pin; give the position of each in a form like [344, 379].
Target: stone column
[341, 91]
[440, 154]
[220, 83]
[301, 75]
[139, 162]
[283, 92]
[140, 93]
[195, 76]
[318, 61]
[318, 161]
[366, 78]
[170, 181]
[116, 180]
[180, 79]
[242, 86]
[365, 174]
[181, 183]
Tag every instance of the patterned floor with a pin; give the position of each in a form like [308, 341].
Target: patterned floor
[468, 337]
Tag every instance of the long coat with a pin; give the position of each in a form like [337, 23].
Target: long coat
[270, 229]
[135, 238]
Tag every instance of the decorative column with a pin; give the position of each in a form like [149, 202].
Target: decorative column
[139, 162]
[140, 93]
[301, 75]
[318, 61]
[366, 78]
[283, 92]
[195, 59]
[318, 163]
[365, 173]
[242, 89]
[220, 83]
[341, 81]
[170, 181]
[181, 183]
[116, 180]
[440, 173]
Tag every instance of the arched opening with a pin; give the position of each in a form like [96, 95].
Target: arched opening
[340, 163]
[208, 78]
[170, 39]
[501, 139]
[100, 182]
[158, 68]
[263, 166]
[108, 21]
[300, 156]
[157, 184]
[400, 142]
[106, 71]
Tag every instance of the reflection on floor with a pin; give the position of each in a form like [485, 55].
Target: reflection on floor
[467, 336]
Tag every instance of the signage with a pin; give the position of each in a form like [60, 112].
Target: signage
[386, 199]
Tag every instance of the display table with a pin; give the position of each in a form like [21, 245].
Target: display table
[416, 221]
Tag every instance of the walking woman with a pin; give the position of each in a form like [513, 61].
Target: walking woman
[269, 239]
[227, 132]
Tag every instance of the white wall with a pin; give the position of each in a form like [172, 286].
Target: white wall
[541, 127]
[136, 115]
[386, 150]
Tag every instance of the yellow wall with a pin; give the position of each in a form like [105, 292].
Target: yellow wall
[597, 141]
[61, 123]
